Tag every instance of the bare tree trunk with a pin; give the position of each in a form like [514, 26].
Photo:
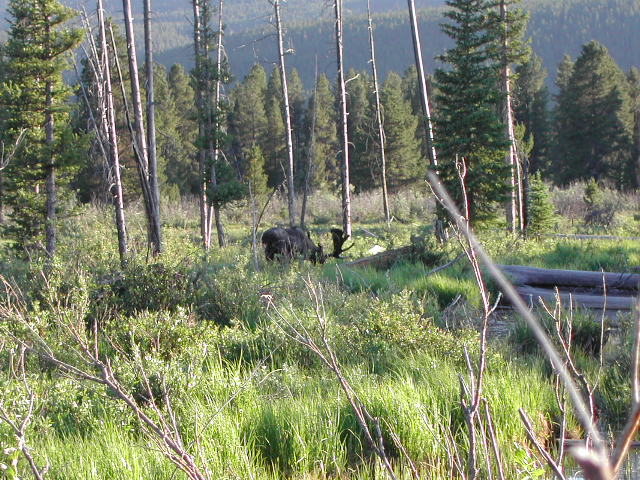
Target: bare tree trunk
[376, 91]
[135, 85]
[311, 153]
[511, 157]
[202, 153]
[287, 118]
[422, 84]
[344, 166]
[110, 127]
[52, 194]
[214, 133]
[156, 234]
[137, 127]
[139, 137]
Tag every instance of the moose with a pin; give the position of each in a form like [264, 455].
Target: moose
[288, 243]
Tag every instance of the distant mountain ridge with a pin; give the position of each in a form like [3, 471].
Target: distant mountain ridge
[556, 27]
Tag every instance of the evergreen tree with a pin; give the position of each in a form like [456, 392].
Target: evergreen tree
[404, 161]
[541, 216]
[247, 119]
[324, 168]
[595, 121]
[468, 125]
[179, 147]
[255, 176]
[274, 144]
[531, 110]
[361, 131]
[35, 99]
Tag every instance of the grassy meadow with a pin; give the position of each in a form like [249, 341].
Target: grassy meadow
[214, 335]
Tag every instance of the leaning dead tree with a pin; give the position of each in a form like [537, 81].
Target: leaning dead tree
[291, 199]
[152, 207]
[101, 112]
[422, 85]
[376, 91]
[112, 137]
[344, 164]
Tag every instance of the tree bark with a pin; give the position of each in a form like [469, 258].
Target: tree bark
[202, 153]
[542, 277]
[287, 117]
[511, 205]
[156, 233]
[52, 193]
[422, 84]
[213, 122]
[376, 91]
[111, 131]
[344, 166]
[138, 134]
[135, 85]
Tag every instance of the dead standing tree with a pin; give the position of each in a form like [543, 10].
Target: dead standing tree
[422, 85]
[376, 91]
[152, 207]
[202, 152]
[104, 119]
[108, 116]
[156, 237]
[208, 87]
[514, 203]
[291, 198]
[344, 164]
[213, 122]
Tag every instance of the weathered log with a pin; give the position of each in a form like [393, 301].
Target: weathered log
[533, 294]
[382, 260]
[541, 277]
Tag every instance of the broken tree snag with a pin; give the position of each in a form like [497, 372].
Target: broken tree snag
[339, 238]
[541, 277]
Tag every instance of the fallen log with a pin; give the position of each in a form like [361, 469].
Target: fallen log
[542, 277]
[382, 260]
[533, 294]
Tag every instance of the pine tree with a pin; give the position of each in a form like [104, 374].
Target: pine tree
[274, 144]
[248, 119]
[178, 146]
[468, 125]
[404, 161]
[361, 131]
[595, 128]
[34, 98]
[531, 110]
[255, 176]
[324, 168]
[541, 216]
